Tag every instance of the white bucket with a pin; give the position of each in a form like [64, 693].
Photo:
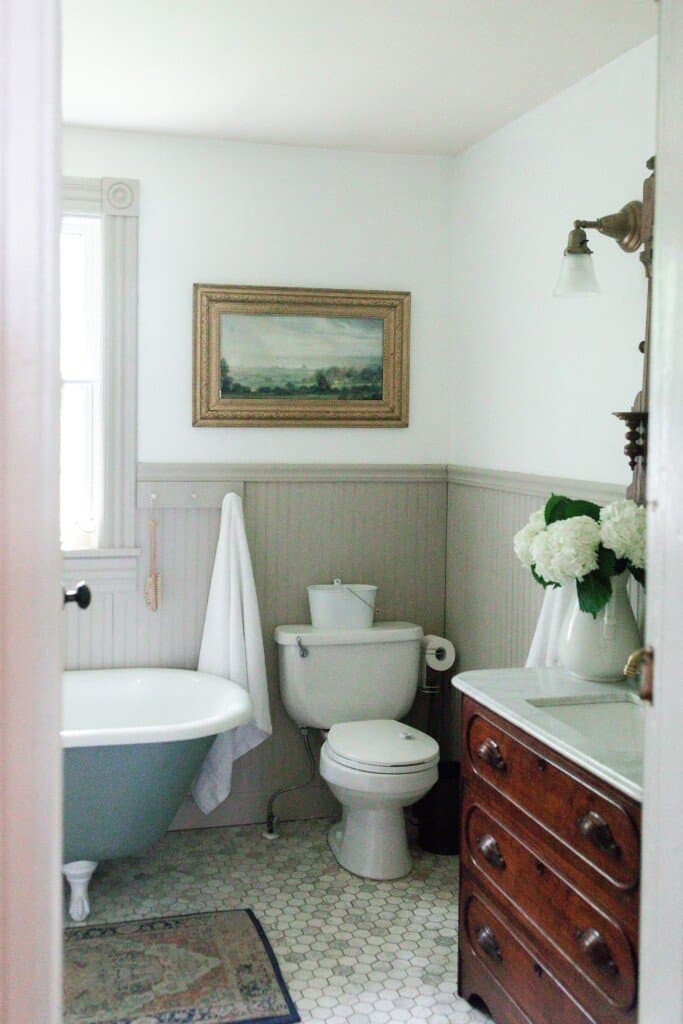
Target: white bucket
[342, 605]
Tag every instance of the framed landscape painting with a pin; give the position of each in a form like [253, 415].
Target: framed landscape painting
[300, 357]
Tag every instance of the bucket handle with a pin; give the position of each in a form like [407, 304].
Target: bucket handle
[350, 590]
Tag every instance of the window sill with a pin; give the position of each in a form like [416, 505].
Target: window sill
[105, 570]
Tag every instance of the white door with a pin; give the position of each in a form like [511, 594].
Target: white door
[30, 756]
[661, 998]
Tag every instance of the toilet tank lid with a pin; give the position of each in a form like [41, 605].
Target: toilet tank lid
[380, 633]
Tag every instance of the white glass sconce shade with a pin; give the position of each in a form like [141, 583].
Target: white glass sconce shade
[577, 275]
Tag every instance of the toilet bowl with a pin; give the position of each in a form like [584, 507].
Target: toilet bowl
[376, 768]
[358, 683]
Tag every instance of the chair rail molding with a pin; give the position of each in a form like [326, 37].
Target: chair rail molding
[318, 472]
[533, 485]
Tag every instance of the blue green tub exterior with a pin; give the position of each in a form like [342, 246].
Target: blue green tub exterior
[118, 800]
[134, 741]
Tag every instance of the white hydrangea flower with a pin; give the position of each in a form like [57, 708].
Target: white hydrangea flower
[525, 537]
[622, 529]
[567, 550]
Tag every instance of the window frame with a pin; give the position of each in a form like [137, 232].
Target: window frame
[113, 565]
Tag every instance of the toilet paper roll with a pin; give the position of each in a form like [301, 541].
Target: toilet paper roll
[439, 652]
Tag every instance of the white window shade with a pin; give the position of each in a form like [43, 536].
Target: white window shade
[81, 447]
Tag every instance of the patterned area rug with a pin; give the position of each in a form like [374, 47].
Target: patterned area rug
[194, 969]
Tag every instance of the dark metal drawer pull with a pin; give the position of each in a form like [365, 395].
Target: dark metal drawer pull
[489, 751]
[597, 950]
[487, 941]
[594, 828]
[490, 851]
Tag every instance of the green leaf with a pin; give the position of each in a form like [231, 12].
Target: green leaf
[583, 508]
[559, 507]
[594, 591]
[551, 505]
[608, 565]
[638, 574]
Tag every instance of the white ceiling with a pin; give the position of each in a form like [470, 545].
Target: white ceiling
[419, 76]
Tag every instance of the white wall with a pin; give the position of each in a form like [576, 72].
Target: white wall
[529, 382]
[222, 212]
[536, 378]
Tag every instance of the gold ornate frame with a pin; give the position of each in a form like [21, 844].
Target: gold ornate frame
[211, 409]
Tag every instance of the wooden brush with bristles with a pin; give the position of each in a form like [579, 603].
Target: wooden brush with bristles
[153, 581]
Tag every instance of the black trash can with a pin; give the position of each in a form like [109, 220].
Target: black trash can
[438, 813]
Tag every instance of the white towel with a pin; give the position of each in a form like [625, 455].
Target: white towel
[232, 646]
[543, 650]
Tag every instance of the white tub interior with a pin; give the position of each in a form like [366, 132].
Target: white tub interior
[148, 705]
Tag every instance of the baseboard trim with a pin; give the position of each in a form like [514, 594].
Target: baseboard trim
[249, 808]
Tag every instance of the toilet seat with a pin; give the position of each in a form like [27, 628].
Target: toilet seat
[381, 746]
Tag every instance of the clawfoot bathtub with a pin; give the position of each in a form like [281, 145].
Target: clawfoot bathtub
[134, 740]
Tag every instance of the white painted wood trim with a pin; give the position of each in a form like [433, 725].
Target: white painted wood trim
[117, 202]
[532, 485]
[82, 196]
[30, 699]
[120, 366]
[661, 931]
[112, 571]
[288, 472]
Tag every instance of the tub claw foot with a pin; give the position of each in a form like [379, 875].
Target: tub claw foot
[78, 874]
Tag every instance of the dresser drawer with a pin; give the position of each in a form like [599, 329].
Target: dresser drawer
[590, 944]
[514, 964]
[475, 983]
[592, 825]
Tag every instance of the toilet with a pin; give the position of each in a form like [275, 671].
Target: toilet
[354, 685]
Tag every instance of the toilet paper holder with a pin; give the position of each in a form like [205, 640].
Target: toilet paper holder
[439, 655]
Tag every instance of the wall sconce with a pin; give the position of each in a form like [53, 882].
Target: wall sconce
[577, 274]
[631, 228]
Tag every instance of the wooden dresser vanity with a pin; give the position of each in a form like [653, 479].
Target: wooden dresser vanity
[550, 856]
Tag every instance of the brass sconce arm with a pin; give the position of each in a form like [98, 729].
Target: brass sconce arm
[625, 227]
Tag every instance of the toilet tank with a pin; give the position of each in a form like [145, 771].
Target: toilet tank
[338, 675]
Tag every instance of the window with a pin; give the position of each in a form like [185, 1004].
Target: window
[81, 447]
[99, 251]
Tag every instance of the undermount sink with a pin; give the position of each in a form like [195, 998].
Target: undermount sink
[614, 722]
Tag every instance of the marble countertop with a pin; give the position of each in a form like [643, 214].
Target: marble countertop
[617, 760]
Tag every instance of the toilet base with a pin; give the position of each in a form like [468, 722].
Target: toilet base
[371, 842]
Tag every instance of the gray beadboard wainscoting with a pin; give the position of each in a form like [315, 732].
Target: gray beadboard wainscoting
[492, 602]
[436, 540]
[305, 525]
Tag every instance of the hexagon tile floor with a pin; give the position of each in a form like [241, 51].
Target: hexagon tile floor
[351, 951]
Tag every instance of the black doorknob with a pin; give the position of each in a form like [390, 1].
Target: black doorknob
[80, 594]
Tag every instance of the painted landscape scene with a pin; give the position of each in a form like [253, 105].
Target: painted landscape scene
[267, 355]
